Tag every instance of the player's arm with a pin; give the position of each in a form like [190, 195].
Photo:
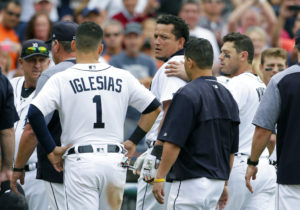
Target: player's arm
[166, 105]
[7, 142]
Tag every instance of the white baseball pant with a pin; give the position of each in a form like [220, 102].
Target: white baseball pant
[195, 194]
[56, 195]
[264, 186]
[288, 197]
[94, 181]
[35, 191]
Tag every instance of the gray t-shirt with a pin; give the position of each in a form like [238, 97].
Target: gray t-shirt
[50, 72]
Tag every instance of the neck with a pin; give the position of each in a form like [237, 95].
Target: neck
[29, 84]
[212, 17]
[113, 51]
[200, 73]
[64, 56]
[243, 68]
[132, 54]
[87, 57]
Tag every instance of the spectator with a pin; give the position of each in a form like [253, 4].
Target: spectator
[39, 27]
[113, 38]
[247, 15]
[212, 17]
[92, 15]
[5, 61]
[137, 63]
[259, 40]
[78, 18]
[8, 37]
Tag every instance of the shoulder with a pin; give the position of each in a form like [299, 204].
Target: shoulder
[15, 81]
[291, 70]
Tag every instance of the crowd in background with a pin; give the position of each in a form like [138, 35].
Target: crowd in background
[129, 29]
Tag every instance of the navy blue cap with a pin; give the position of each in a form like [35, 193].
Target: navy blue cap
[33, 47]
[63, 31]
[86, 11]
[297, 37]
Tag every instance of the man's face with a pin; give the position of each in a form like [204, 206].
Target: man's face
[113, 36]
[229, 59]
[165, 42]
[190, 14]
[213, 7]
[133, 43]
[272, 65]
[43, 6]
[34, 66]
[11, 16]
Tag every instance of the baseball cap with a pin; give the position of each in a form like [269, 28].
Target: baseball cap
[86, 11]
[133, 27]
[297, 37]
[34, 47]
[63, 31]
[11, 201]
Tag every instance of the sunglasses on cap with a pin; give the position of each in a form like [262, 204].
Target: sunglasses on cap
[31, 50]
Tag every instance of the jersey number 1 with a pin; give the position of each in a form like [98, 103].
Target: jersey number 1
[98, 123]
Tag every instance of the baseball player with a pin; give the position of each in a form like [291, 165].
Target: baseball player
[34, 60]
[199, 145]
[279, 105]
[62, 34]
[8, 116]
[92, 99]
[247, 89]
[170, 34]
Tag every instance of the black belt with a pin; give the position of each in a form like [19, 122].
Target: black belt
[30, 167]
[111, 148]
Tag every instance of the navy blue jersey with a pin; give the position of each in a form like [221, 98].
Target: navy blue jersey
[8, 113]
[203, 120]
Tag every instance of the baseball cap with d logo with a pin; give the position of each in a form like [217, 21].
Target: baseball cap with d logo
[34, 47]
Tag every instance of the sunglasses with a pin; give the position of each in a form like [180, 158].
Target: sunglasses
[271, 69]
[10, 13]
[31, 50]
[112, 34]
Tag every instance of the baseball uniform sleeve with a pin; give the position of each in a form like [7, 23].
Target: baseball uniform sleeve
[170, 85]
[49, 97]
[269, 108]
[234, 137]
[139, 96]
[8, 113]
[177, 126]
[238, 92]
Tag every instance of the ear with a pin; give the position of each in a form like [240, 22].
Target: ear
[100, 49]
[20, 61]
[181, 41]
[244, 56]
[57, 46]
[73, 45]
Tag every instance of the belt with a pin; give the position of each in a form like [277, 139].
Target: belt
[106, 148]
[30, 167]
[241, 154]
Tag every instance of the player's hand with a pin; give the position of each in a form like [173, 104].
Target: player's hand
[223, 199]
[250, 173]
[130, 147]
[176, 69]
[5, 174]
[14, 178]
[158, 191]
[55, 157]
[150, 167]
[139, 163]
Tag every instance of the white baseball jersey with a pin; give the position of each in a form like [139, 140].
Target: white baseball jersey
[223, 80]
[92, 101]
[163, 88]
[22, 106]
[247, 89]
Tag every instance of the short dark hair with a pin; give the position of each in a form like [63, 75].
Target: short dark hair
[200, 51]
[66, 45]
[181, 29]
[88, 36]
[298, 47]
[273, 52]
[11, 2]
[241, 43]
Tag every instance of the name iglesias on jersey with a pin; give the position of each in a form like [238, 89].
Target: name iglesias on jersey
[96, 83]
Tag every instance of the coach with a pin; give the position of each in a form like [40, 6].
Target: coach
[280, 104]
[199, 144]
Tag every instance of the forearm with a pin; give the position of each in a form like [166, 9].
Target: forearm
[147, 120]
[169, 156]
[272, 143]
[230, 165]
[260, 140]
[27, 145]
[7, 141]
[276, 31]
[269, 14]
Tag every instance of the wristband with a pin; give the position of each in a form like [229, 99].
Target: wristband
[18, 169]
[137, 135]
[250, 162]
[159, 180]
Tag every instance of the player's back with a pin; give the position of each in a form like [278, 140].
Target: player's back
[247, 89]
[93, 100]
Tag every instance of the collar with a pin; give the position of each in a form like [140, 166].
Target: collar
[179, 52]
[91, 66]
[208, 78]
